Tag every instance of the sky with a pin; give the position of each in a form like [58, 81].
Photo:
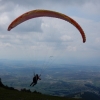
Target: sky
[53, 39]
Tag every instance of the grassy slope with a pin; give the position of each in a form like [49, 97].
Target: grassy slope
[6, 94]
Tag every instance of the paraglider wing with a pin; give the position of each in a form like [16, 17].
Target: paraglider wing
[48, 13]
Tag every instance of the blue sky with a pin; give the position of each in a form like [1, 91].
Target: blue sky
[41, 38]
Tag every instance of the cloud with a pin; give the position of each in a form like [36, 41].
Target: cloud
[38, 2]
[4, 19]
[92, 7]
[3, 45]
[50, 35]
[32, 25]
[65, 38]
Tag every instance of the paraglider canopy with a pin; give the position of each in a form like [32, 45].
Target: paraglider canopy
[47, 13]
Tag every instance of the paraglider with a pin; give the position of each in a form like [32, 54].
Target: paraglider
[46, 13]
[35, 79]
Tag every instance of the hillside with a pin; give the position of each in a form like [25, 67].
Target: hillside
[7, 94]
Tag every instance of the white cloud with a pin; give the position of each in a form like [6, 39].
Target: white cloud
[3, 45]
[98, 40]
[65, 38]
[92, 7]
[50, 34]
[4, 19]
[71, 48]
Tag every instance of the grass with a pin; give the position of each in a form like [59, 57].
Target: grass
[6, 94]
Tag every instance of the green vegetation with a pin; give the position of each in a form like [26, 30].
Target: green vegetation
[57, 82]
[6, 94]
